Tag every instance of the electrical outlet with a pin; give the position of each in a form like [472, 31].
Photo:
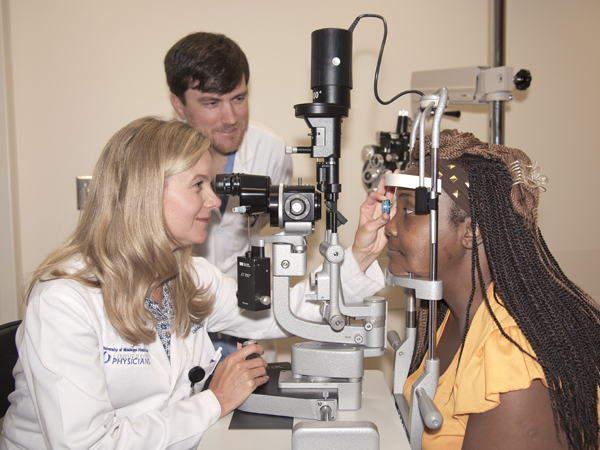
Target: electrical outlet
[83, 184]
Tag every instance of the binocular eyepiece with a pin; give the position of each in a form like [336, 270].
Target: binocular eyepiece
[282, 203]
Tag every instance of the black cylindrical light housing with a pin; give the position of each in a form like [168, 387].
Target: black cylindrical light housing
[331, 66]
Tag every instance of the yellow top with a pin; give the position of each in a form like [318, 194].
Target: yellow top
[490, 365]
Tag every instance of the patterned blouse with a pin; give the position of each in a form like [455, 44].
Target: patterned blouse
[164, 317]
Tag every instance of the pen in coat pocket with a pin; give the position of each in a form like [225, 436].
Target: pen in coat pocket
[217, 356]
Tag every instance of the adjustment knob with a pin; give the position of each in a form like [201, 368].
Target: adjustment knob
[368, 151]
[253, 355]
[522, 79]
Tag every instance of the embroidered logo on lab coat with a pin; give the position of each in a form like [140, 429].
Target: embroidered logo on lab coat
[126, 356]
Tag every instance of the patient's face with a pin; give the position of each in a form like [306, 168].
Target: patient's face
[409, 242]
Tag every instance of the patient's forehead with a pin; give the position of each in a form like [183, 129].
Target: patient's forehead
[413, 169]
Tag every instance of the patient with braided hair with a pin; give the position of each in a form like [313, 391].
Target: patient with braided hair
[518, 342]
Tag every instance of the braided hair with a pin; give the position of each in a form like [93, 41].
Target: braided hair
[559, 320]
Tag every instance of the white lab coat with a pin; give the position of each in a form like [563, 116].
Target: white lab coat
[261, 153]
[79, 385]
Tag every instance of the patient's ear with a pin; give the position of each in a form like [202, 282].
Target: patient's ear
[467, 234]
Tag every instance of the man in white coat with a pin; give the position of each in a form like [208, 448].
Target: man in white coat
[208, 77]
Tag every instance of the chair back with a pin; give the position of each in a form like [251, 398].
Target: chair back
[8, 359]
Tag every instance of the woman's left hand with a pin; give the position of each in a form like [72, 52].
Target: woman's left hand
[370, 238]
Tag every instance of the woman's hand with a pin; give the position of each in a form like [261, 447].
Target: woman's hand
[370, 238]
[235, 378]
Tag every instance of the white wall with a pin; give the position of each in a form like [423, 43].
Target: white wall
[81, 70]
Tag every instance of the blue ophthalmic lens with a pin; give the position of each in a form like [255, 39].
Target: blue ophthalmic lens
[386, 206]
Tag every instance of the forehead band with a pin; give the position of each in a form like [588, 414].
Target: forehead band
[409, 181]
[450, 176]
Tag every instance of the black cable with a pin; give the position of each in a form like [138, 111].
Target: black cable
[351, 29]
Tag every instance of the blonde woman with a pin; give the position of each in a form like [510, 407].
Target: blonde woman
[118, 315]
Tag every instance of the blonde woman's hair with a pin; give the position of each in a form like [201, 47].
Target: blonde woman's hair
[122, 238]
